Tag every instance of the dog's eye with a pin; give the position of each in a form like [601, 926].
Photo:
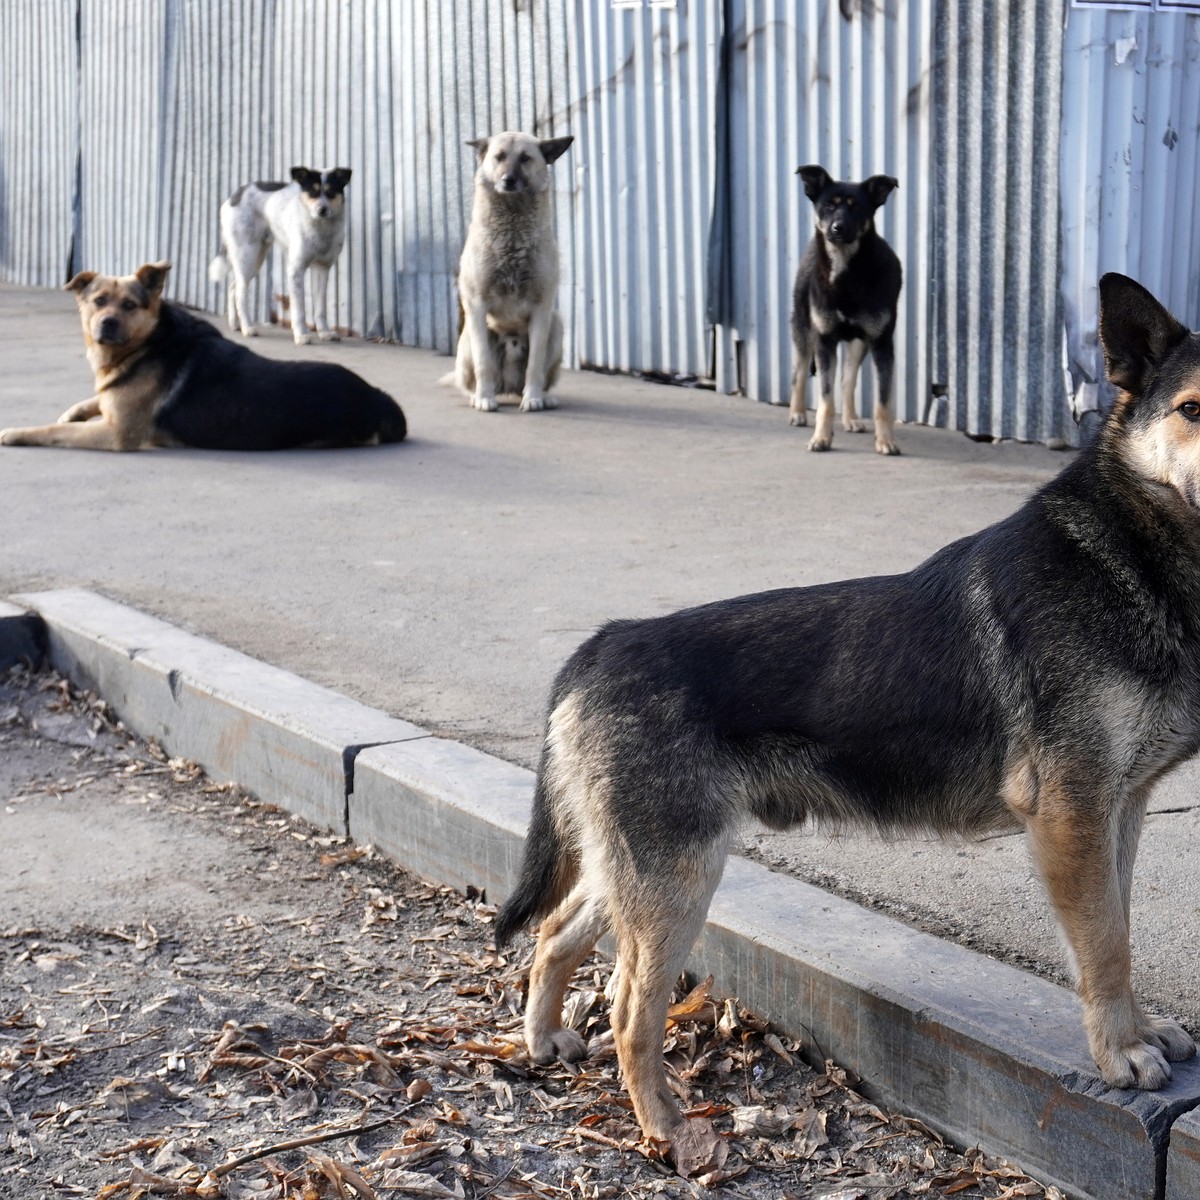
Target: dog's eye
[524, 158]
[849, 202]
[1190, 409]
[500, 155]
[128, 305]
[100, 301]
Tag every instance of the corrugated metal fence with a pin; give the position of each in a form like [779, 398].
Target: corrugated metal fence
[1130, 170]
[125, 122]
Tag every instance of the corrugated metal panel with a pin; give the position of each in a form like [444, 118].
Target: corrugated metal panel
[181, 103]
[643, 110]
[996, 250]
[39, 140]
[465, 70]
[1130, 169]
[846, 85]
[124, 51]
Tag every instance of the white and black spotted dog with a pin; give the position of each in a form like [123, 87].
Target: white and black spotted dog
[307, 217]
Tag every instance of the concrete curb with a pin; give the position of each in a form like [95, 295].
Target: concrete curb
[1183, 1159]
[977, 1049]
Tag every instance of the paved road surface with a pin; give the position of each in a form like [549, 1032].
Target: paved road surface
[446, 579]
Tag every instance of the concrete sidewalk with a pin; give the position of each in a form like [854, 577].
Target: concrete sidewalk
[445, 580]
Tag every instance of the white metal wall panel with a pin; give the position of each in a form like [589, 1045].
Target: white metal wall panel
[1130, 169]
[217, 133]
[996, 250]
[845, 85]
[39, 140]
[465, 69]
[124, 51]
[644, 87]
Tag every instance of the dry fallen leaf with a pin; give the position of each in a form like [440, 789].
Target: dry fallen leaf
[697, 1148]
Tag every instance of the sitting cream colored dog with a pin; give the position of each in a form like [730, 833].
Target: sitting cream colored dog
[511, 337]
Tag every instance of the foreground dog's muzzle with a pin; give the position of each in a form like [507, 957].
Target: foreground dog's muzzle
[843, 232]
[110, 333]
[512, 182]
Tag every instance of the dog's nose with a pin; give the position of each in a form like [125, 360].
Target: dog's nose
[322, 210]
[512, 181]
[837, 228]
[109, 328]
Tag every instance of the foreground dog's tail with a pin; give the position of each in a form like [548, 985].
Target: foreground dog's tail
[218, 269]
[543, 868]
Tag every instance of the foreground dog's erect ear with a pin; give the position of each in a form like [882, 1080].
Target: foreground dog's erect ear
[479, 145]
[152, 276]
[879, 188]
[553, 148]
[1137, 333]
[339, 177]
[816, 180]
[79, 282]
[302, 175]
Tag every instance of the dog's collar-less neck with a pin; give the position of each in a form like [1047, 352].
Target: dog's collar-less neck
[109, 376]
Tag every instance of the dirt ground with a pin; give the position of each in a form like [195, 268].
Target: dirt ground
[201, 996]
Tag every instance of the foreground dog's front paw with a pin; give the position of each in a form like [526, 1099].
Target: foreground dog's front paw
[854, 427]
[537, 403]
[564, 1044]
[8, 437]
[797, 418]
[820, 441]
[1168, 1036]
[886, 446]
[304, 339]
[1140, 1065]
[327, 335]
[484, 403]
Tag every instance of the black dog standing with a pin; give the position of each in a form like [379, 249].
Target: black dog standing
[846, 290]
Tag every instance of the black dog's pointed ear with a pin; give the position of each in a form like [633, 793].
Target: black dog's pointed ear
[340, 177]
[880, 187]
[152, 276]
[79, 282]
[1137, 333]
[302, 175]
[553, 148]
[816, 180]
[479, 145]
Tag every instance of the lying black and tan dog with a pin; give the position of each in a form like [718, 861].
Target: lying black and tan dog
[164, 377]
[846, 290]
[1041, 674]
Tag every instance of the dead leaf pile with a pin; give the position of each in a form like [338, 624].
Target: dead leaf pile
[353, 1035]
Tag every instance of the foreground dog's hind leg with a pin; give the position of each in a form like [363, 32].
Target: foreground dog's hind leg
[822, 438]
[657, 919]
[1074, 844]
[852, 357]
[320, 283]
[564, 941]
[884, 354]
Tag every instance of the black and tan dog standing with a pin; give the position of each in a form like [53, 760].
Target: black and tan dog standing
[1041, 674]
[847, 288]
[164, 377]
[511, 336]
